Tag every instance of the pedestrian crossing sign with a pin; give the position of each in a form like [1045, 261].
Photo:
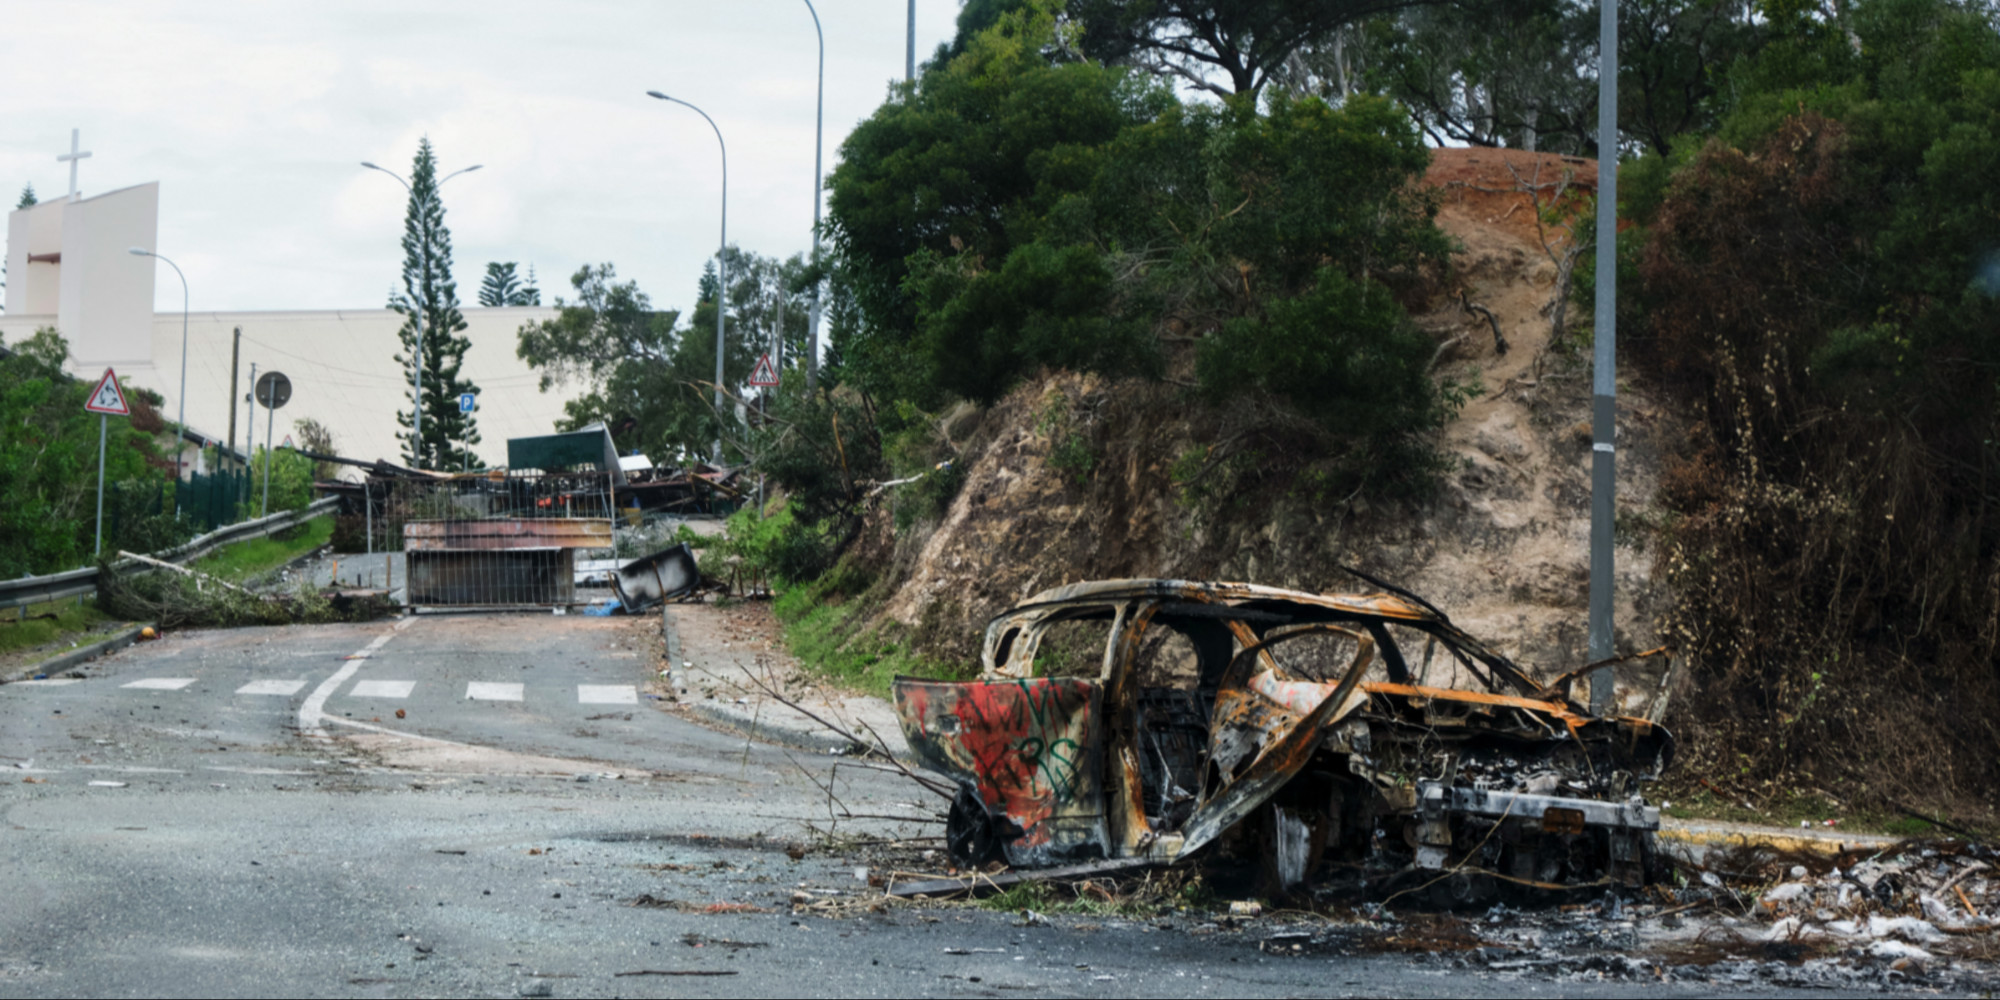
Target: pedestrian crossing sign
[765, 374]
[107, 397]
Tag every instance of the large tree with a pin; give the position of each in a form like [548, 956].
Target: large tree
[1245, 41]
[645, 376]
[433, 328]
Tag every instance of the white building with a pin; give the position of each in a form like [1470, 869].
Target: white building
[69, 267]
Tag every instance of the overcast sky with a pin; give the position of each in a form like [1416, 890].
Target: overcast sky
[254, 118]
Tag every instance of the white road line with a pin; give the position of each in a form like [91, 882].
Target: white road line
[382, 689]
[160, 683]
[284, 688]
[51, 682]
[607, 694]
[312, 711]
[493, 691]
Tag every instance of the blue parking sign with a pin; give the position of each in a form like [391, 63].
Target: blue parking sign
[465, 401]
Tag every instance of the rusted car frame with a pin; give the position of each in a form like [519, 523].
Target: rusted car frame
[1309, 729]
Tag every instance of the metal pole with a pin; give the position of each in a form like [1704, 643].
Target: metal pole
[910, 47]
[250, 431]
[1604, 383]
[270, 415]
[235, 355]
[99, 550]
[721, 265]
[417, 360]
[368, 506]
[819, 136]
[180, 431]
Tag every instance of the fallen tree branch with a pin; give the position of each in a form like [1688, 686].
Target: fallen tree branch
[176, 567]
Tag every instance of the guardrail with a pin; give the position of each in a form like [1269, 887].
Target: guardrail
[77, 582]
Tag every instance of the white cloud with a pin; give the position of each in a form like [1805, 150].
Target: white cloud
[255, 116]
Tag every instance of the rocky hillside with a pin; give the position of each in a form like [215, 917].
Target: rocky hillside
[1077, 477]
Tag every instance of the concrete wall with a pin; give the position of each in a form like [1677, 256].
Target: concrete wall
[34, 289]
[106, 305]
[342, 371]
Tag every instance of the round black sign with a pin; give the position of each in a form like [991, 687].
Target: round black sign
[274, 390]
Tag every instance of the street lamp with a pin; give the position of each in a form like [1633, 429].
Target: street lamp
[819, 131]
[417, 356]
[182, 419]
[721, 263]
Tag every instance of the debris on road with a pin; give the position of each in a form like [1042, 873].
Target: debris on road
[195, 600]
[664, 575]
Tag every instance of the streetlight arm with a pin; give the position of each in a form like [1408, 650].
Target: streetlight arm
[721, 264]
[181, 419]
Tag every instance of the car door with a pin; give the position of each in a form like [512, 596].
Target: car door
[1030, 749]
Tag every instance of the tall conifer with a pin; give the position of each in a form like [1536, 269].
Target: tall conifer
[428, 285]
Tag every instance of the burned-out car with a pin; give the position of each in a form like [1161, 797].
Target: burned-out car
[1145, 719]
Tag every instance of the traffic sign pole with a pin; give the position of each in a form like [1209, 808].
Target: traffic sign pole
[104, 401]
[102, 422]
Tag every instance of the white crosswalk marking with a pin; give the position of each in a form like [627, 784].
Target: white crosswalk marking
[284, 688]
[160, 683]
[51, 682]
[382, 689]
[493, 691]
[607, 694]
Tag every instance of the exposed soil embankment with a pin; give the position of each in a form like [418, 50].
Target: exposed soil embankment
[1075, 477]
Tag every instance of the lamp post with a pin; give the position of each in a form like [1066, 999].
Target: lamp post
[417, 356]
[721, 262]
[1604, 363]
[819, 133]
[182, 418]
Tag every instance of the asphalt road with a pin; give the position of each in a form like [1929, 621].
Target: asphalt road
[244, 813]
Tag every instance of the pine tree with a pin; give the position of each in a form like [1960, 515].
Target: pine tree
[428, 286]
[530, 293]
[502, 286]
[28, 197]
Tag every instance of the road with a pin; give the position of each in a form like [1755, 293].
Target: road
[502, 805]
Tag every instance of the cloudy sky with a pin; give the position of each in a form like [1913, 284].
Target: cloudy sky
[255, 116]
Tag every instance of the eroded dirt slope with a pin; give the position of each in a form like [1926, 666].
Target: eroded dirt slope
[1502, 547]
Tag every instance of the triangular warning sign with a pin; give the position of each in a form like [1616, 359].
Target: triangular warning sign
[765, 374]
[107, 397]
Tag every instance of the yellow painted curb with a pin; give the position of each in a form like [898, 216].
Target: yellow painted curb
[1708, 837]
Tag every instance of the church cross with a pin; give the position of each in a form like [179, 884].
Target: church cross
[71, 157]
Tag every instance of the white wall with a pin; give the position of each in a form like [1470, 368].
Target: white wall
[106, 306]
[33, 289]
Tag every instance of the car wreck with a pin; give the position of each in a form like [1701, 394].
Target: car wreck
[1336, 737]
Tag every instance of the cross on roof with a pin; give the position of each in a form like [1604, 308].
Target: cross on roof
[75, 136]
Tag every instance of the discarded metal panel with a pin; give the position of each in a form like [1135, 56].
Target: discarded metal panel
[665, 574]
[1224, 706]
[507, 533]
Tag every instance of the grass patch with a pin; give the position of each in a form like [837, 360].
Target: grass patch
[823, 629]
[245, 559]
[1789, 811]
[1148, 895]
[46, 623]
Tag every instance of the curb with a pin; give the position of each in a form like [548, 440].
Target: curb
[76, 656]
[757, 728]
[802, 735]
[1695, 839]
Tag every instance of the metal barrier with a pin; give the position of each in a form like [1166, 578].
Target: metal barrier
[495, 541]
[79, 582]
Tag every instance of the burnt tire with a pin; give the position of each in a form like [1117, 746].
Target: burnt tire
[971, 836]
